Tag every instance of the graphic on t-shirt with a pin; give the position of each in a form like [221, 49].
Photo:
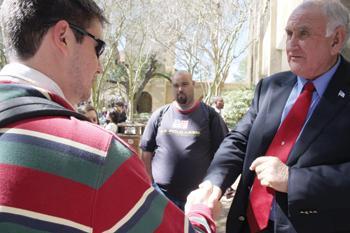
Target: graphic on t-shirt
[180, 124]
[179, 132]
[180, 128]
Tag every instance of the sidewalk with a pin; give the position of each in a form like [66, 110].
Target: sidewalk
[226, 204]
[221, 222]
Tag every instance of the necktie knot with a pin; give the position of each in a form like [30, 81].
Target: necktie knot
[309, 86]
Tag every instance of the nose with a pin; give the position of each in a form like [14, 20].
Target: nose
[292, 43]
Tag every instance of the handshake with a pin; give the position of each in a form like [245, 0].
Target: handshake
[207, 194]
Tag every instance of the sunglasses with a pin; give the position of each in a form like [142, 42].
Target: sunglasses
[100, 44]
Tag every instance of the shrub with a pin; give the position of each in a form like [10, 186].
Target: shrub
[237, 103]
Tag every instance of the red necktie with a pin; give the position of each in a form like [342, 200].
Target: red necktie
[261, 197]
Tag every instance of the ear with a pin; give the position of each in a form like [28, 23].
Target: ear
[338, 40]
[193, 82]
[60, 36]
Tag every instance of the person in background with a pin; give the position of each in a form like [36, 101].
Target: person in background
[120, 108]
[112, 121]
[180, 140]
[61, 174]
[292, 146]
[90, 112]
[218, 104]
[102, 116]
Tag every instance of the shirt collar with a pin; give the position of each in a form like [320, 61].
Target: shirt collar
[21, 73]
[322, 81]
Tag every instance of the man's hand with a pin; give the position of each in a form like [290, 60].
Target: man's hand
[207, 194]
[271, 172]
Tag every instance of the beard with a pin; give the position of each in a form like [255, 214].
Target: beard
[181, 99]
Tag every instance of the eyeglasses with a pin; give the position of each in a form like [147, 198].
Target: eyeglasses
[99, 48]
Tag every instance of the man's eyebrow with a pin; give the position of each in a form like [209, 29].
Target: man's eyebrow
[303, 27]
[299, 28]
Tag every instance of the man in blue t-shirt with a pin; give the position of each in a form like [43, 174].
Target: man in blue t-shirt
[180, 140]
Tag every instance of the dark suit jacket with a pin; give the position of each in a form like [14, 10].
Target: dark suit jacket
[318, 199]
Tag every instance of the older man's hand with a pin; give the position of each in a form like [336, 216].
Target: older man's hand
[271, 172]
[207, 194]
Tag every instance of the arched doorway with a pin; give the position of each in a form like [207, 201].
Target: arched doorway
[145, 103]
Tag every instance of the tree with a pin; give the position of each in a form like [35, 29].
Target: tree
[116, 12]
[140, 51]
[206, 44]
[132, 60]
[133, 78]
[200, 35]
[3, 59]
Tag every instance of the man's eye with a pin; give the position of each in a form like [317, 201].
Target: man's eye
[289, 34]
[303, 34]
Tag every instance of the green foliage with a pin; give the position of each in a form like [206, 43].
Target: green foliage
[237, 103]
[3, 58]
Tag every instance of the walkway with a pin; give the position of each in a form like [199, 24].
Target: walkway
[221, 222]
[226, 203]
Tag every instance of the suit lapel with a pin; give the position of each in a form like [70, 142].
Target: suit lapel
[276, 104]
[330, 104]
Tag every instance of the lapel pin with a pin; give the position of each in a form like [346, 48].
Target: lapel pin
[341, 94]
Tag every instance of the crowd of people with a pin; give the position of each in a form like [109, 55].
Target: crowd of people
[61, 172]
[107, 119]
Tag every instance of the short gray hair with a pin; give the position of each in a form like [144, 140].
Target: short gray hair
[214, 99]
[335, 11]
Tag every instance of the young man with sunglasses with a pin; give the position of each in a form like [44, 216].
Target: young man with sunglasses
[57, 173]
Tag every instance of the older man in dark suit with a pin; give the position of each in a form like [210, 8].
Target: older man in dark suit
[292, 147]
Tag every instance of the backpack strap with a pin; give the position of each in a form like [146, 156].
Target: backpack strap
[26, 107]
[160, 117]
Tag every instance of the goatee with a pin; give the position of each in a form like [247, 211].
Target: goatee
[181, 99]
